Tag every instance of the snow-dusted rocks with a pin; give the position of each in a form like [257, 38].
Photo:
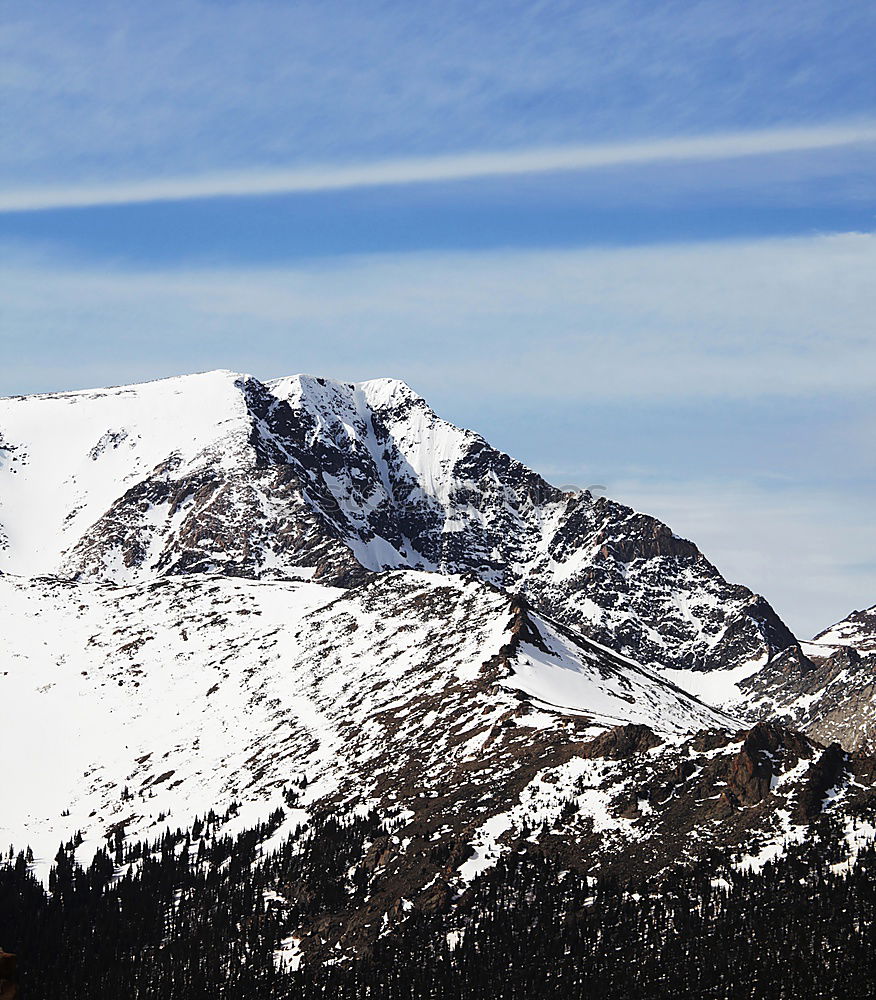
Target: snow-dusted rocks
[857, 630]
[473, 725]
[305, 478]
[826, 687]
[166, 699]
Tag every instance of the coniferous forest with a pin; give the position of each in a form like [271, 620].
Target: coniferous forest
[195, 915]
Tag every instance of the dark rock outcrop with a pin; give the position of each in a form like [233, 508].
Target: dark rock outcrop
[621, 742]
[823, 776]
[767, 751]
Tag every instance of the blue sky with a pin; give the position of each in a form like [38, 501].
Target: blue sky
[631, 243]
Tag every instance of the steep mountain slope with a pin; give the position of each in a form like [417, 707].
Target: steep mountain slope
[826, 687]
[305, 478]
[469, 727]
[190, 693]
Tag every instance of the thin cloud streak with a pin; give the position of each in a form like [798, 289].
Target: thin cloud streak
[427, 170]
[741, 320]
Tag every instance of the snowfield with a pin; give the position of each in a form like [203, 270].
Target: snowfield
[154, 703]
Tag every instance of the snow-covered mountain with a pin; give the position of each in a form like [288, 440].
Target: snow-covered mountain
[826, 687]
[857, 630]
[305, 478]
[169, 698]
[305, 598]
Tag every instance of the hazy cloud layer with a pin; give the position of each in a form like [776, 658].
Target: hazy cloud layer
[736, 320]
[118, 90]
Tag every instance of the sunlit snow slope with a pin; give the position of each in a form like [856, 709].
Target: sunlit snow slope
[161, 701]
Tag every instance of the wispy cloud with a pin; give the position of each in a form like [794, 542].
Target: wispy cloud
[735, 320]
[116, 89]
[433, 169]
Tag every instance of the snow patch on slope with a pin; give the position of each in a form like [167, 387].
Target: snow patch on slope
[65, 457]
[569, 676]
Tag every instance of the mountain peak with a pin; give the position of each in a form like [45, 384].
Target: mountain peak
[377, 393]
[306, 477]
[387, 392]
[857, 629]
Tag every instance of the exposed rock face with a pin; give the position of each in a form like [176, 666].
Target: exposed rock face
[828, 773]
[765, 747]
[308, 478]
[826, 687]
[622, 742]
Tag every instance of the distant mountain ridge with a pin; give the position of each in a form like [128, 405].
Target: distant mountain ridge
[826, 687]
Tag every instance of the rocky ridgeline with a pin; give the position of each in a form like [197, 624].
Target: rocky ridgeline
[826, 687]
[304, 476]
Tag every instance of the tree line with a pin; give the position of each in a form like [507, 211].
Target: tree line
[196, 915]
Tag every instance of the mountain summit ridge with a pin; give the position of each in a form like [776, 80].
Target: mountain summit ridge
[309, 478]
